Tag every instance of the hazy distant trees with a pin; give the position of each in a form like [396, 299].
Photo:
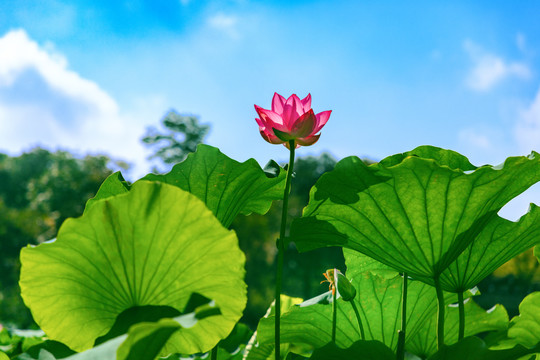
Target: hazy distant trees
[181, 135]
[38, 191]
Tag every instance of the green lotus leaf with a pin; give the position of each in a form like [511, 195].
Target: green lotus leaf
[424, 342]
[257, 350]
[415, 212]
[105, 351]
[155, 245]
[378, 301]
[500, 241]
[57, 349]
[144, 340]
[3, 356]
[113, 185]
[227, 187]
[473, 348]
[525, 328]
[365, 350]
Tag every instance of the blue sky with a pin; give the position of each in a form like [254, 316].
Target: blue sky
[90, 76]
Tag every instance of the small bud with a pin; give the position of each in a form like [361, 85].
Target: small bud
[330, 278]
[345, 288]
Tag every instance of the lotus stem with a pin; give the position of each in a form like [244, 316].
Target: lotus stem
[461, 307]
[440, 313]
[334, 314]
[214, 353]
[401, 333]
[362, 335]
[281, 250]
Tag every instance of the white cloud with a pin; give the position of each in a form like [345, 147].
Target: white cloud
[527, 130]
[473, 138]
[226, 24]
[489, 69]
[43, 102]
[527, 137]
[521, 42]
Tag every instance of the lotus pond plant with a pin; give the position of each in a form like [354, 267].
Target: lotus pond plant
[152, 269]
[293, 123]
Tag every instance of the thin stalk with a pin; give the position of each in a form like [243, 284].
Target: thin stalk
[214, 353]
[401, 333]
[461, 306]
[359, 320]
[440, 314]
[334, 315]
[281, 250]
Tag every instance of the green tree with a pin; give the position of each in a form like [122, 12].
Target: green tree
[38, 191]
[180, 137]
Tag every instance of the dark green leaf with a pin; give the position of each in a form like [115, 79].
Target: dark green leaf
[255, 349]
[473, 348]
[415, 212]
[424, 342]
[57, 349]
[365, 350]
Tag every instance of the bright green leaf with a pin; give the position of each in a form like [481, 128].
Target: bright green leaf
[525, 328]
[113, 185]
[500, 241]
[105, 351]
[154, 245]
[424, 342]
[415, 212]
[143, 341]
[227, 187]
[379, 304]
[3, 356]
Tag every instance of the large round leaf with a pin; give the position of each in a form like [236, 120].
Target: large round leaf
[155, 245]
[226, 186]
[415, 212]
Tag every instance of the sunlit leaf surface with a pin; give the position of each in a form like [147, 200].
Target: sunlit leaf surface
[525, 328]
[226, 186]
[155, 245]
[500, 241]
[378, 301]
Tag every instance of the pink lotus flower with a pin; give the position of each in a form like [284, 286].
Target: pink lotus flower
[291, 119]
